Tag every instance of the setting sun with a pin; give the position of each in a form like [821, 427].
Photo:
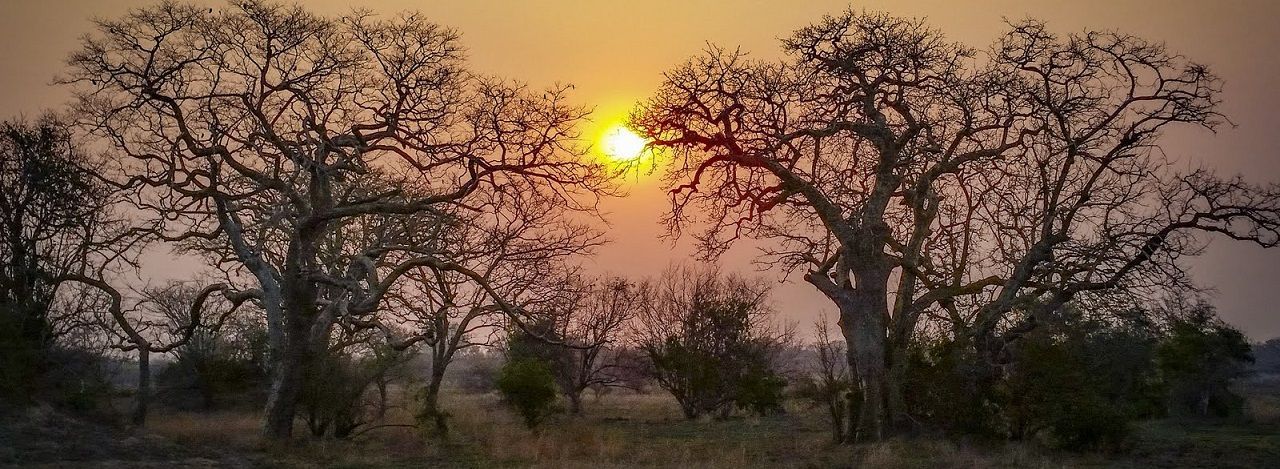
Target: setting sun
[621, 144]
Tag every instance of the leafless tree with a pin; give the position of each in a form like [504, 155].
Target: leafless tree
[158, 320]
[594, 316]
[518, 253]
[55, 218]
[830, 388]
[910, 177]
[259, 133]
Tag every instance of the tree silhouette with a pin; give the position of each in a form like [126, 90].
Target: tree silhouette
[594, 315]
[159, 321]
[910, 177]
[261, 136]
[519, 254]
[55, 219]
[710, 340]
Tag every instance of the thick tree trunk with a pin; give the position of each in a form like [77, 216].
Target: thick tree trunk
[142, 397]
[863, 312]
[286, 385]
[298, 295]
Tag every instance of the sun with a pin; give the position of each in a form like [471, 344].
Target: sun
[621, 144]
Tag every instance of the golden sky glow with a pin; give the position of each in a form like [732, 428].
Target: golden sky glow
[615, 52]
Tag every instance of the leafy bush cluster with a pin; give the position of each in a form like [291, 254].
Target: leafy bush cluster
[349, 389]
[527, 384]
[1078, 379]
[720, 360]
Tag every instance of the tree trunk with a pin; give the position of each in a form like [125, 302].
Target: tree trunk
[431, 413]
[298, 293]
[863, 312]
[836, 408]
[142, 397]
[575, 401]
[286, 386]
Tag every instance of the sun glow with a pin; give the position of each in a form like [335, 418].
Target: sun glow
[621, 144]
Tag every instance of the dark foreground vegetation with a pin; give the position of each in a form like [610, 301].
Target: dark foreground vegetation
[392, 245]
[617, 430]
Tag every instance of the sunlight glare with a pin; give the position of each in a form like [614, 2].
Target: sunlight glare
[621, 144]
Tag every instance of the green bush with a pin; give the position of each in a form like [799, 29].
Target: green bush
[1074, 380]
[760, 391]
[1199, 359]
[528, 385]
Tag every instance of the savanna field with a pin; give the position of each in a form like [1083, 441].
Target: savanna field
[649, 234]
[620, 430]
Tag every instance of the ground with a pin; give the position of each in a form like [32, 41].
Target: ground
[621, 430]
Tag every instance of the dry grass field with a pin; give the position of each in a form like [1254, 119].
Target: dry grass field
[616, 431]
[646, 430]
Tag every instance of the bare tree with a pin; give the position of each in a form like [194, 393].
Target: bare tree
[159, 321]
[258, 133]
[594, 316]
[55, 218]
[910, 177]
[706, 336]
[517, 253]
[830, 388]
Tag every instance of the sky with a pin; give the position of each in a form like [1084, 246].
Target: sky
[614, 54]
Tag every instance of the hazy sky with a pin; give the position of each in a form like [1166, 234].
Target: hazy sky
[614, 53]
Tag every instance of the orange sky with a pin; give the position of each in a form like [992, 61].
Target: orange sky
[614, 53]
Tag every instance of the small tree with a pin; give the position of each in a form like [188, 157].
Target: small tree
[592, 321]
[710, 343]
[528, 385]
[1199, 359]
[828, 384]
[147, 325]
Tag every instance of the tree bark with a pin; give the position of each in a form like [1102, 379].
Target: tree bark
[431, 412]
[142, 397]
[863, 312]
[286, 384]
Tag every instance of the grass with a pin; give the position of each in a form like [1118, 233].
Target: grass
[624, 430]
[620, 430]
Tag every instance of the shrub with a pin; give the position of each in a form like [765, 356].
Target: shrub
[208, 367]
[1199, 359]
[710, 343]
[348, 390]
[760, 391]
[528, 386]
[1075, 380]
